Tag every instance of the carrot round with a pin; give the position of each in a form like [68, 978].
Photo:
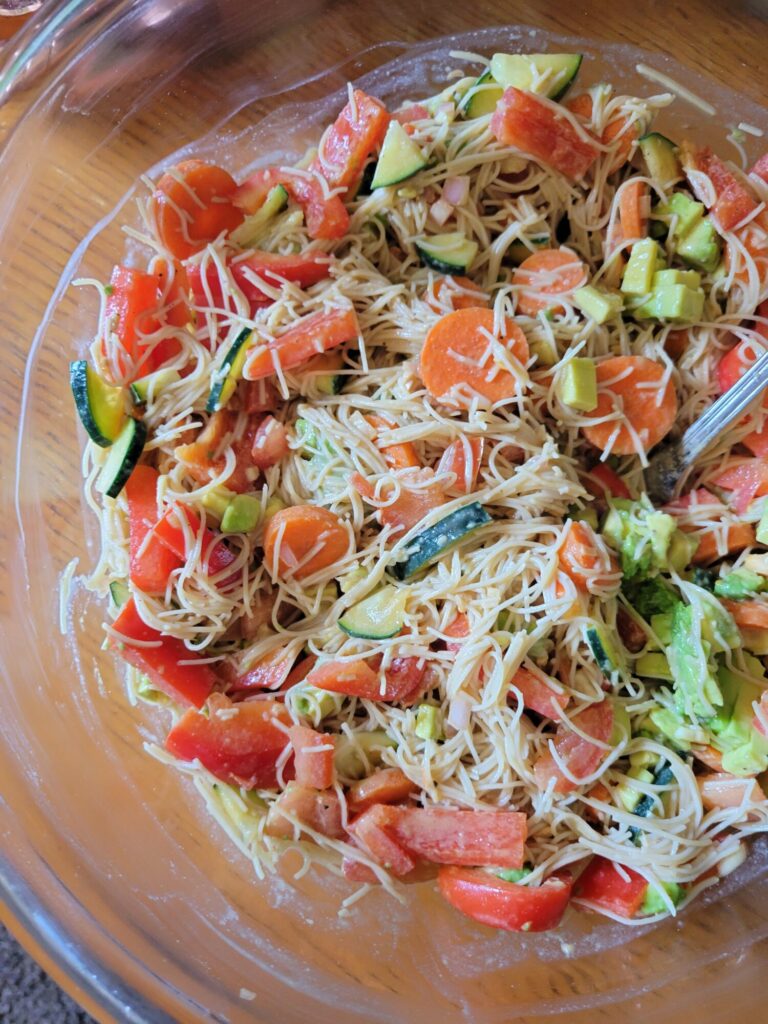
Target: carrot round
[633, 209]
[457, 355]
[625, 388]
[303, 539]
[544, 275]
[396, 456]
[583, 560]
[456, 292]
[751, 614]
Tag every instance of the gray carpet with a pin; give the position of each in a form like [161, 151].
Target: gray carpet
[28, 995]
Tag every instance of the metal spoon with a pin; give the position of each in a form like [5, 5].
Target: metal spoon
[670, 462]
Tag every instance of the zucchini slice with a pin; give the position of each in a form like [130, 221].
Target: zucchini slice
[100, 406]
[451, 253]
[119, 592]
[400, 157]
[377, 617]
[660, 155]
[321, 370]
[604, 651]
[428, 546]
[154, 383]
[518, 69]
[227, 375]
[125, 453]
[483, 96]
[253, 227]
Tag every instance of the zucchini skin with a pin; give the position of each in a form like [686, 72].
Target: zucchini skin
[437, 539]
[80, 373]
[218, 397]
[126, 453]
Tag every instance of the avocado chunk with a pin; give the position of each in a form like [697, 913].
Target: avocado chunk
[653, 665]
[751, 758]
[654, 902]
[739, 584]
[242, 514]
[667, 278]
[700, 247]
[762, 527]
[687, 212]
[428, 723]
[598, 304]
[640, 534]
[675, 302]
[577, 385]
[660, 155]
[644, 261]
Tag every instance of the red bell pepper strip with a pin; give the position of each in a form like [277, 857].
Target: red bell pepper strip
[313, 757]
[130, 313]
[602, 885]
[151, 562]
[734, 200]
[169, 664]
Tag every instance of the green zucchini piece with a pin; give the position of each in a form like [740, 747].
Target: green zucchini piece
[660, 155]
[483, 96]
[125, 453]
[377, 617]
[100, 406]
[451, 253]
[519, 251]
[119, 592]
[428, 546]
[604, 650]
[400, 157]
[227, 375]
[518, 69]
[253, 227]
[154, 383]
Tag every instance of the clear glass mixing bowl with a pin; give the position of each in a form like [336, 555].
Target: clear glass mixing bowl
[110, 869]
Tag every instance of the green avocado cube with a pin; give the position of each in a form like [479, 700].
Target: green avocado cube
[217, 501]
[577, 385]
[666, 278]
[654, 901]
[751, 758]
[687, 211]
[700, 246]
[242, 515]
[675, 302]
[644, 261]
[653, 665]
[598, 304]
[762, 527]
[428, 724]
[739, 584]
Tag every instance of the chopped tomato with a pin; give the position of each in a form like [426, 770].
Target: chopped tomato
[192, 205]
[619, 129]
[371, 831]
[356, 871]
[462, 457]
[580, 757]
[737, 537]
[174, 294]
[757, 442]
[746, 481]
[386, 786]
[458, 628]
[319, 810]
[206, 457]
[507, 905]
[259, 395]
[215, 555]
[734, 200]
[238, 743]
[313, 757]
[268, 673]
[169, 663]
[735, 364]
[537, 696]
[721, 789]
[356, 133]
[443, 835]
[419, 494]
[301, 670]
[604, 483]
[151, 562]
[324, 214]
[270, 443]
[130, 314]
[309, 336]
[358, 679]
[747, 614]
[405, 677]
[602, 885]
[522, 120]
[584, 560]
[413, 112]
[760, 721]
[698, 496]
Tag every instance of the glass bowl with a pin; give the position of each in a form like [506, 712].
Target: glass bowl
[111, 871]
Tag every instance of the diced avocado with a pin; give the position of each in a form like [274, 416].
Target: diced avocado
[274, 504]
[660, 155]
[717, 625]
[628, 795]
[654, 902]
[513, 874]
[313, 703]
[696, 691]
[640, 534]
[666, 278]
[673, 727]
[518, 69]
[700, 247]
[400, 157]
[653, 665]
[355, 755]
[577, 384]
[643, 758]
[662, 626]
[598, 304]
[119, 592]
[482, 97]
[687, 211]
[682, 548]
[217, 500]
[242, 514]
[428, 722]
[584, 515]
[751, 758]
[644, 260]
[740, 584]
[762, 527]
[605, 652]
[757, 563]
[250, 231]
[622, 724]
[673, 302]
[732, 725]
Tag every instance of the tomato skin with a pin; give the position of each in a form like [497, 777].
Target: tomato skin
[601, 884]
[405, 679]
[170, 532]
[204, 194]
[733, 200]
[506, 905]
[300, 343]
[760, 168]
[537, 695]
[580, 757]
[269, 673]
[385, 786]
[131, 312]
[186, 683]
[746, 481]
[318, 809]
[325, 216]
[314, 766]
[522, 120]
[174, 296]
[734, 365]
[371, 830]
[151, 562]
[242, 749]
[443, 835]
[357, 132]
[458, 628]
[270, 443]
[604, 483]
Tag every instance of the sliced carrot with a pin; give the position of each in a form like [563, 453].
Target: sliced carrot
[386, 786]
[455, 293]
[634, 202]
[583, 560]
[419, 494]
[545, 275]
[709, 756]
[625, 386]
[537, 696]
[192, 205]
[751, 614]
[302, 540]
[396, 456]
[457, 356]
[462, 457]
[458, 628]
[307, 338]
[738, 537]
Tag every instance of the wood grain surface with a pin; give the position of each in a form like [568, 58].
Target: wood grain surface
[89, 820]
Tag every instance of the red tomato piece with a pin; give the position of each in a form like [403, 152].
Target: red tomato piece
[356, 133]
[413, 112]
[721, 789]
[317, 809]
[371, 831]
[458, 628]
[313, 757]
[354, 678]
[404, 679]
[270, 443]
[311, 335]
[735, 364]
[506, 905]
[169, 663]
[579, 756]
[442, 835]
[269, 672]
[241, 749]
[301, 670]
[734, 200]
[174, 292]
[746, 481]
[151, 562]
[325, 215]
[522, 120]
[131, 313]
[356, 871]
[757, 442]
[760, 168]
[604, 483]
[537, 696]
[386, 786]
[698, 496]
[462, 457]
[602, 885]
[259, 396]
[192, 205]
[170, 532]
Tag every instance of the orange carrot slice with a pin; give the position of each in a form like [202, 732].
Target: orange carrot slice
[303, 539]
[396, 456]
[454, 292]
[626, 391]
[462, 457]
[633, 209]
[547, 274]
[738, 537]
[751, 614]
[583, 560]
